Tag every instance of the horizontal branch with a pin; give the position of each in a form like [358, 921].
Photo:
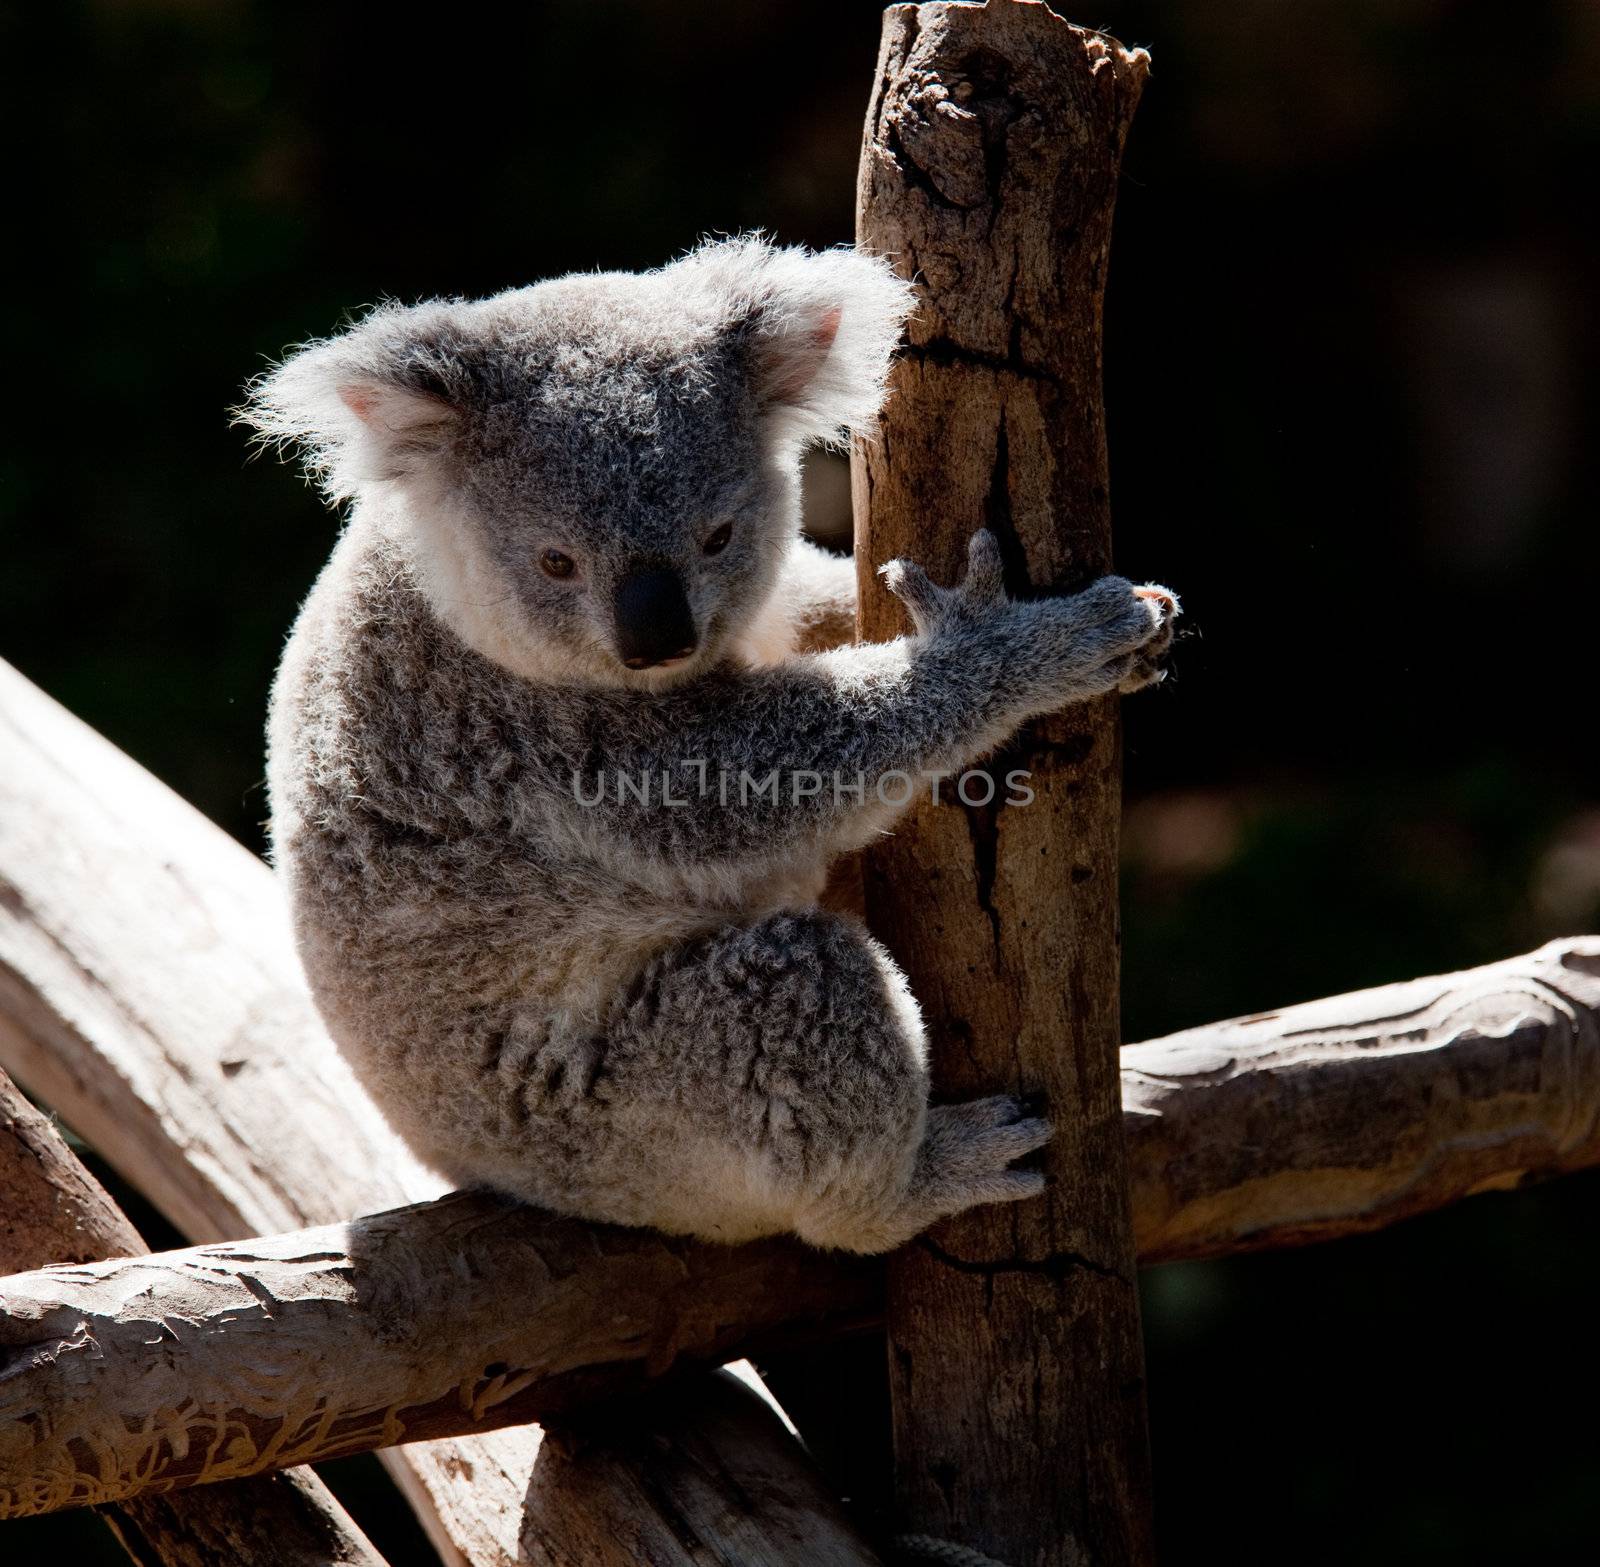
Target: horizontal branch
[1345, 1115]
[1315, 1121]
[704, 1463]
[450, 1318]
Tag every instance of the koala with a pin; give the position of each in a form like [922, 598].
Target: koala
[570, 959]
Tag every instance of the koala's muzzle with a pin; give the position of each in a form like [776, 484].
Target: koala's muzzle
[654, 622]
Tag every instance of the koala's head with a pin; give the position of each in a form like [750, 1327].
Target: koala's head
[597, 477]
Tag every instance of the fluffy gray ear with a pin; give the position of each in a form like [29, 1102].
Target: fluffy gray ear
[368, 405]
[822, 327]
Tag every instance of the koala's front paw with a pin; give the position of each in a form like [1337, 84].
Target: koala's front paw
[1110, 636]
[981, 593]
[1149, 663]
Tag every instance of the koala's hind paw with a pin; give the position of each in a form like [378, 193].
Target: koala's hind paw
[1148, 665]
[964, 1159]
[966, 1153]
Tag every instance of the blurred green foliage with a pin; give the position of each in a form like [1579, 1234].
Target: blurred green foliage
[1350, 380]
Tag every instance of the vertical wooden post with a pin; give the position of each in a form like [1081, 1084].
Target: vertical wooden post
[988, 175]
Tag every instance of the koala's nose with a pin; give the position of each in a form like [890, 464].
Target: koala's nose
[654, 622]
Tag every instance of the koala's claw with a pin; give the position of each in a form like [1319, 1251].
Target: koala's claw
[911, 585]
[1167, 609]
[1109, 636]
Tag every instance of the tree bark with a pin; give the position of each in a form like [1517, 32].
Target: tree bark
[1317, 1121]
[282, 1520]
[52, 1210]
[456, 1317]
[988, 174]
[56, 1212]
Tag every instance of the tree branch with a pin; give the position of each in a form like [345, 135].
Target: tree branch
[53, 1211]
[448, 1319]
[1347, 1114]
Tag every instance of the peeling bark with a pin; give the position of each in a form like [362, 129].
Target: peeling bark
[448, 1319]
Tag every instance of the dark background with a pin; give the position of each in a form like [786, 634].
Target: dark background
[1351, 386]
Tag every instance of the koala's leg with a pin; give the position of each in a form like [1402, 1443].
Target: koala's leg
[771, 1077]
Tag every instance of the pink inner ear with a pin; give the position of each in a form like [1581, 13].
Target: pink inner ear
[362, 401]
[393, 409]
[799, 358]
[826, 329]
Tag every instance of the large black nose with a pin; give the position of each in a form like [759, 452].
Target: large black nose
[654, 623]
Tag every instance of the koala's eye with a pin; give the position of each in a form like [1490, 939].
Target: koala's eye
[557, 565]
[718, 541]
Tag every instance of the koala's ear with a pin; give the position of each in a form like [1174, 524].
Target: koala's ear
[820, 328]
[366, 406]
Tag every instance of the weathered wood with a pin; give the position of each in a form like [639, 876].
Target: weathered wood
[1348, 1114]
[53, 1211]
[150, 995]
[652, 1483]
[988, 174]
[280, 1520]
[458, 1316]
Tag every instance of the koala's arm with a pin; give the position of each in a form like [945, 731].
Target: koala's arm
[977, 667]
[820, 590]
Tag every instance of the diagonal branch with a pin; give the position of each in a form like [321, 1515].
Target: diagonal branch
[54, 1211]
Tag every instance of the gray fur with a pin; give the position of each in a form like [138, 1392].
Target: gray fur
[626, 1011]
